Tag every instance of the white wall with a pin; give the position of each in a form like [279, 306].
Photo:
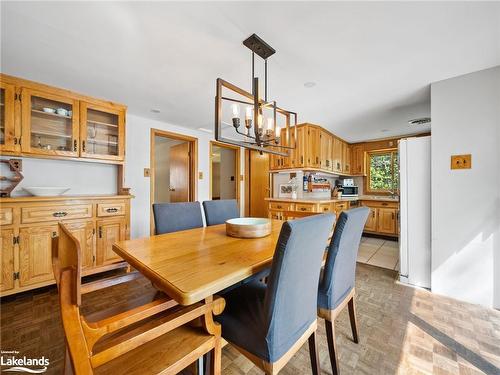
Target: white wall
[162, 168]
[82, 178]
[466, 203]
[137, 158]
[227, 169]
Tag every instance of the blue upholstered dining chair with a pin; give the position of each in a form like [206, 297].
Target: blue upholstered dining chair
[173, 217]
[269, 323]
[218, 211]
[336, 287]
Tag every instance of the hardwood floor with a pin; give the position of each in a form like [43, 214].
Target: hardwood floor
[401, 330]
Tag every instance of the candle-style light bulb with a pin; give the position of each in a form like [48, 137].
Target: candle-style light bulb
[278, 135]
[270, 124]
[248, 118]
[236, 115]
[259, 123]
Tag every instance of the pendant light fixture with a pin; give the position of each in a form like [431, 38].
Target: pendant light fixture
[267, 127]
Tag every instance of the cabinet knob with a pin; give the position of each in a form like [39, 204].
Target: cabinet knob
[83, 146]
[74, 145]
[112, 209]
[59, 214]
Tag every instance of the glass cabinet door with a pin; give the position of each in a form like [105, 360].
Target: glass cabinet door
[50, 123]
[102, 132]
[9, 139]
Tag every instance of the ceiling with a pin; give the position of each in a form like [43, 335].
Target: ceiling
[372, 62]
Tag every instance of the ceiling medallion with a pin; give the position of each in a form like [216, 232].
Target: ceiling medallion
[267, 127]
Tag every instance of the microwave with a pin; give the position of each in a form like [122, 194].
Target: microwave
[350, 191]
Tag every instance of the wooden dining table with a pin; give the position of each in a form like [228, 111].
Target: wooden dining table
[193, 265]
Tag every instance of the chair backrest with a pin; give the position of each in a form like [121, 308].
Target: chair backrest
[66, 254]
[290, 305]
[173, 217]
[217, 212]
[340, 268]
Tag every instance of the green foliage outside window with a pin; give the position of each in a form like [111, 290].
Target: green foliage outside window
[384, 174]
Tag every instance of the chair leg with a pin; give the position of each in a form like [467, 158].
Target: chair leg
[215, 359]
[352, 317]
[313, 353]
[332, 347]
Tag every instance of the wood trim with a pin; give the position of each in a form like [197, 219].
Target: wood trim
[193, 174]
[237, 167]
[366, 182]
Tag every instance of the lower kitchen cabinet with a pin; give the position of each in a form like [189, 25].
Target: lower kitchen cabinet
[7, 239]
[35, 254]
[383, 218]
[32, 223]
[109, 231]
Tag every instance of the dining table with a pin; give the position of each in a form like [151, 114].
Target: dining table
[195, 264]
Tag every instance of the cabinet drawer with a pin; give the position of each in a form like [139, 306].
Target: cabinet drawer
[340, 206]
[54, 213]
[325, 207]
[5, 216]
[305, 207]
[281, 206]
[111, 209]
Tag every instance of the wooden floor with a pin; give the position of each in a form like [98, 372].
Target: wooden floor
[402, 330]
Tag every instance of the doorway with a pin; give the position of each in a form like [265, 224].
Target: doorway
[172, 168]
[257, 183]
[224, 171]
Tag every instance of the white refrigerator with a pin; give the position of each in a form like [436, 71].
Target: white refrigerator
[415, 211]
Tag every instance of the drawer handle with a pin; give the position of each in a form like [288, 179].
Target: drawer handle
[384, 204]
[113, 209]
[303, 208]
[59, 214]
[325, 208]
[279, 206]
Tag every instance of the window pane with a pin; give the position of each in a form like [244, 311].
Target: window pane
[381, 172]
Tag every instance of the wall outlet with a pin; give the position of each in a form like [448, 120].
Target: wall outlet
[461, 161]
[147, 172]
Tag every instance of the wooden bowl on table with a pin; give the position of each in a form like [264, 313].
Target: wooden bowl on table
[248, 227]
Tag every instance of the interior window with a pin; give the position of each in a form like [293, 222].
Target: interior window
[383, 173]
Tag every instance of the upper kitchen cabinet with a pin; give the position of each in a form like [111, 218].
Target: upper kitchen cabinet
[49, 123]
[346, 154]
[337, 155]
[313, 146]
[102, 132]
[43, 121]
[326, 150]
[9, 134]
[358, 160]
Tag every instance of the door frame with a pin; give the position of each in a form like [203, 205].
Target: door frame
[237, 166]
[193, 168]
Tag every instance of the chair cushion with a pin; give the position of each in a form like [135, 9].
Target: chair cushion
[218, 211]
[173, 217]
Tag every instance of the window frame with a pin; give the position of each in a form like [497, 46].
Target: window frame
[394, 153]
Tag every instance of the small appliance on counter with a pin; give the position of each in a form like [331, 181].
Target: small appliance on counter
[349, 189]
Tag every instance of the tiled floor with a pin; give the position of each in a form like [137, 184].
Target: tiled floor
[379, 252]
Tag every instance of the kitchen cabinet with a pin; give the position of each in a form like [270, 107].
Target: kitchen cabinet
[387, 220]
[383, 218]
[346, 158]
[371, 221]
[9, 128]
[313, 147]
[35, 254]
[358, 160]
[38, 120]
[30, 223]
[300, 157]
[109, 231]
[325, 150]
[285, 210]
[7, 239]
[337, 155]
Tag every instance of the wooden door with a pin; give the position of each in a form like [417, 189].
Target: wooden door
[371, 222]
[337, 155]
[50, 123]
[313, 147]
[84, 232]
[9, 134]
[347, 159]
[325, 150]
[102, 132]
[35, 254]
[179, 172]
[109, 231]
[300, 157]
[7, 246]
[358, 160]
[387, 220]
[258, 177]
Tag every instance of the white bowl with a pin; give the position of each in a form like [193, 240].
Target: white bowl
[47, 191]
[49, 110]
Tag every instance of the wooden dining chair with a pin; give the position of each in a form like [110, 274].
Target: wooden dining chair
[173, 217]
[149, 339]
[218, 211]
[336, 287]
[269, 323]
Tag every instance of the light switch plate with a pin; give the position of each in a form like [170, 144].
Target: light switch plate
[461, 161]
[200, 175]
[147, 172]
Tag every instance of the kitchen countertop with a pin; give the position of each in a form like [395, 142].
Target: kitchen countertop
[378, 198]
